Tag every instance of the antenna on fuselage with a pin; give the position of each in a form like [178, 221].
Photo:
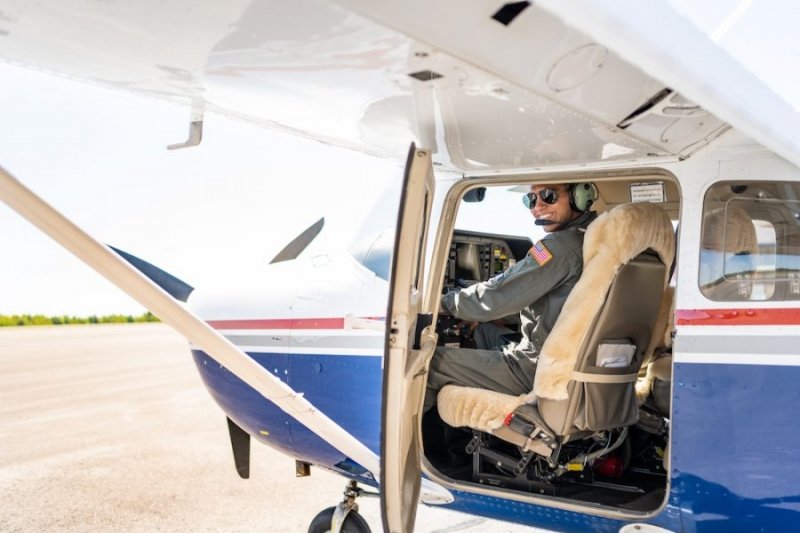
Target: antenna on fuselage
[295, 248]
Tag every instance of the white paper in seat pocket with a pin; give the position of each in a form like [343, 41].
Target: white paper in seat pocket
[615, 355]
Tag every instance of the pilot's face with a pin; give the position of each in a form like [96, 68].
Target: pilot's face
[557, 213]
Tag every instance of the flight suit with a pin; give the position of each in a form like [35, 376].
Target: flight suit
[537, 288]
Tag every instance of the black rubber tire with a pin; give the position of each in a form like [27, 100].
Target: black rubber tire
[353, 523]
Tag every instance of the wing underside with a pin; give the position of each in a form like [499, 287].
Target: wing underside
[483, 91]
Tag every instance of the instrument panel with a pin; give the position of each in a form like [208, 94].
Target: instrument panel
[478, 257]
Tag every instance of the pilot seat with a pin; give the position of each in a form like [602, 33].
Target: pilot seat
[584, 386]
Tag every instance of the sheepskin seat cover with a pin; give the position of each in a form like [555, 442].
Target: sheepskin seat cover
[612, 240]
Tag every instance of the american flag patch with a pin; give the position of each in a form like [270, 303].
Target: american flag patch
[540, 253]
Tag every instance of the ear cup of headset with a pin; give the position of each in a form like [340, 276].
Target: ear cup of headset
[582, 196]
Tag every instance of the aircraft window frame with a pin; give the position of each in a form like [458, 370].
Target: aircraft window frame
[750, 242]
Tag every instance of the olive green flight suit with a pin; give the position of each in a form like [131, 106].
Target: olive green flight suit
[537, 288]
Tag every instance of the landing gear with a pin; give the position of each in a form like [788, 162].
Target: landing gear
[343, 518]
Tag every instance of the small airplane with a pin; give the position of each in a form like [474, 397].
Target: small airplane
[668, 405]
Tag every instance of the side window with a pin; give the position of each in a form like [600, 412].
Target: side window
[750, 244]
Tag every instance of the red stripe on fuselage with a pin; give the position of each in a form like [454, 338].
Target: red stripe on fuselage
[683, 317]
[279, 323]
[737, 317]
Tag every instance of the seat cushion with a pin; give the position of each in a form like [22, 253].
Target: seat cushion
[480, 409]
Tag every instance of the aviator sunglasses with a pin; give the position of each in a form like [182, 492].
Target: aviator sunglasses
[548, 196]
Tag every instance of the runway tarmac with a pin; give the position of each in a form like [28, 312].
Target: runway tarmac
[109, 428]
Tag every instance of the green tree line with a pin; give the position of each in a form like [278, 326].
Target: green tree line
[42, 320]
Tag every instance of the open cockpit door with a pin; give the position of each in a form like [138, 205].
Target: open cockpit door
[407, 347]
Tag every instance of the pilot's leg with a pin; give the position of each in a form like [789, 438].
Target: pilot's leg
[485, 369]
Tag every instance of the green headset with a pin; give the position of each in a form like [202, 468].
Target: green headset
[582, 196]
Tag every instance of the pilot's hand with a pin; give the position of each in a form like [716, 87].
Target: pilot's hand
[467, 328]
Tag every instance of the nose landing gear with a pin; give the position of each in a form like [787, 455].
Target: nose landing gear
[343, 518]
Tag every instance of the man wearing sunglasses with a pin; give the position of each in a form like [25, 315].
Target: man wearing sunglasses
[535, 287]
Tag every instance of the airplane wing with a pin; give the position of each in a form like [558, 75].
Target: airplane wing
[669, 48]
[478, 83]
[612, 62]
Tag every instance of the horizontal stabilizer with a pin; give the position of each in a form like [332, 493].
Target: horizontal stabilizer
[176, 288]
[294, 248]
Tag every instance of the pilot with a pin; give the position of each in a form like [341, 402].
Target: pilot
[535, 287]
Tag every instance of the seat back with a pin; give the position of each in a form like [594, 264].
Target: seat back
[613, 352]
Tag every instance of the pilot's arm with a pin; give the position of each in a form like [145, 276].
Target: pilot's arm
[546, 266]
